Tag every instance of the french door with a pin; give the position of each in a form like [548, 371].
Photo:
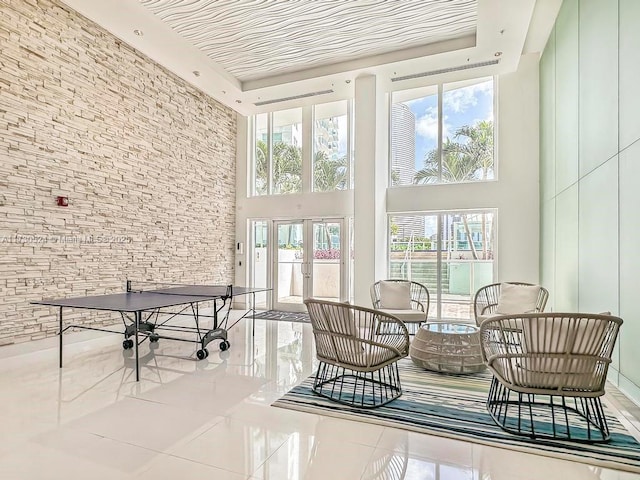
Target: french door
[308, 261]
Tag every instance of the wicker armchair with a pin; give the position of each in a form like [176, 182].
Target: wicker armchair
[487, 299]
[412, 311]
[549, 372]
[357, 364]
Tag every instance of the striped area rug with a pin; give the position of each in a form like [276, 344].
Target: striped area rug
[302, 317]
[454, 406]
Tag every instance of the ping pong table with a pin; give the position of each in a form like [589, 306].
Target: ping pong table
[147, 309]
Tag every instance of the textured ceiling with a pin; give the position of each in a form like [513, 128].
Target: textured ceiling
[253, 39]
[258, 56]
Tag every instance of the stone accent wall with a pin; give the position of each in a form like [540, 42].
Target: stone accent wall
[146, 160]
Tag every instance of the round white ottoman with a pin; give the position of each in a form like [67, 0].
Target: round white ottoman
[447, 348]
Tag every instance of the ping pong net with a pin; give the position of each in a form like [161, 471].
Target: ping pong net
[183, 289]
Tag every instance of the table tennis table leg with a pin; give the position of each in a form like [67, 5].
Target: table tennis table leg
[137, 324]
[60, 334]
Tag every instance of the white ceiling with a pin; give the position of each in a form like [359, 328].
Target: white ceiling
[248, 52]
[255, 39]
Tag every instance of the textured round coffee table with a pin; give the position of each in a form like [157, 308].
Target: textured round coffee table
[447, 348]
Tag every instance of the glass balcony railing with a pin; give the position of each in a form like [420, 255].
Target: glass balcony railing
[460, 279]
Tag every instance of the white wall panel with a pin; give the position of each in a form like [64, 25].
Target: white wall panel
[630, 261]
[548, 120]
[598, 236]
[566, 96]
[566, 267]
[629, 72]
[598, 82]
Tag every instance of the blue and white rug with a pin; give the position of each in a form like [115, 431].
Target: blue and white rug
[454, 406]
[281, 316]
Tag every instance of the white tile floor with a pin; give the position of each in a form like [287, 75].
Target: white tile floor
[212, 419]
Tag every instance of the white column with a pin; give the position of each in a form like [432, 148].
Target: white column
[242, 188]
[371, 174]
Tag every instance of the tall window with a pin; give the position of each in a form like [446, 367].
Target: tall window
[276, 163]
[261, 155]
[443, 134]
[278, 152]
[451, 253]
[330, 147]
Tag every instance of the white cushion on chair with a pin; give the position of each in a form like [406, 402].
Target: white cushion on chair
[407, 316]
[517, 299]
[552, 335]
[395, 295]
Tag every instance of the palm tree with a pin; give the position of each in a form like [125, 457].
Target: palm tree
[261, 168]
[457, 167]
[286, 168]
[329, 174]
[479, 146]
[463, 161]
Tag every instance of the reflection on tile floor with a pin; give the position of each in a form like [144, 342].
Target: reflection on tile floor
[212, 419]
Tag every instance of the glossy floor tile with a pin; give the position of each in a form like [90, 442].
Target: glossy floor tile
[212, 418]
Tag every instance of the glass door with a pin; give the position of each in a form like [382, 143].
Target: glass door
[289, 271]
[315, 271]
[326, 272]
[259, 266]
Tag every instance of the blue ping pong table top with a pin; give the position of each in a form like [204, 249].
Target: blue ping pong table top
[137, 301]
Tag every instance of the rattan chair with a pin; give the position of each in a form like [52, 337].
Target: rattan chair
[357, 364]
[485, 302]
[414, 312]
[549, 372]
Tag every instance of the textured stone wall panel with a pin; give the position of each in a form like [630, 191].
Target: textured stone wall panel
[147, 161]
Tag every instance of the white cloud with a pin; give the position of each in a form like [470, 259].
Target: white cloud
[454, 101]
[460, 99]
[427, 124]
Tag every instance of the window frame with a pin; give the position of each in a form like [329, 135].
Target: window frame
[307, 151]
[349, 152]
[440, 93]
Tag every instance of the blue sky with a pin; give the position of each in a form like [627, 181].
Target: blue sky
[462, 106]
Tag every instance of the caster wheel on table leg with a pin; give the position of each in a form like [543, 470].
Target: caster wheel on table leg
[224, 345]
[127, 344]
[201, 354]
[154, 338]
